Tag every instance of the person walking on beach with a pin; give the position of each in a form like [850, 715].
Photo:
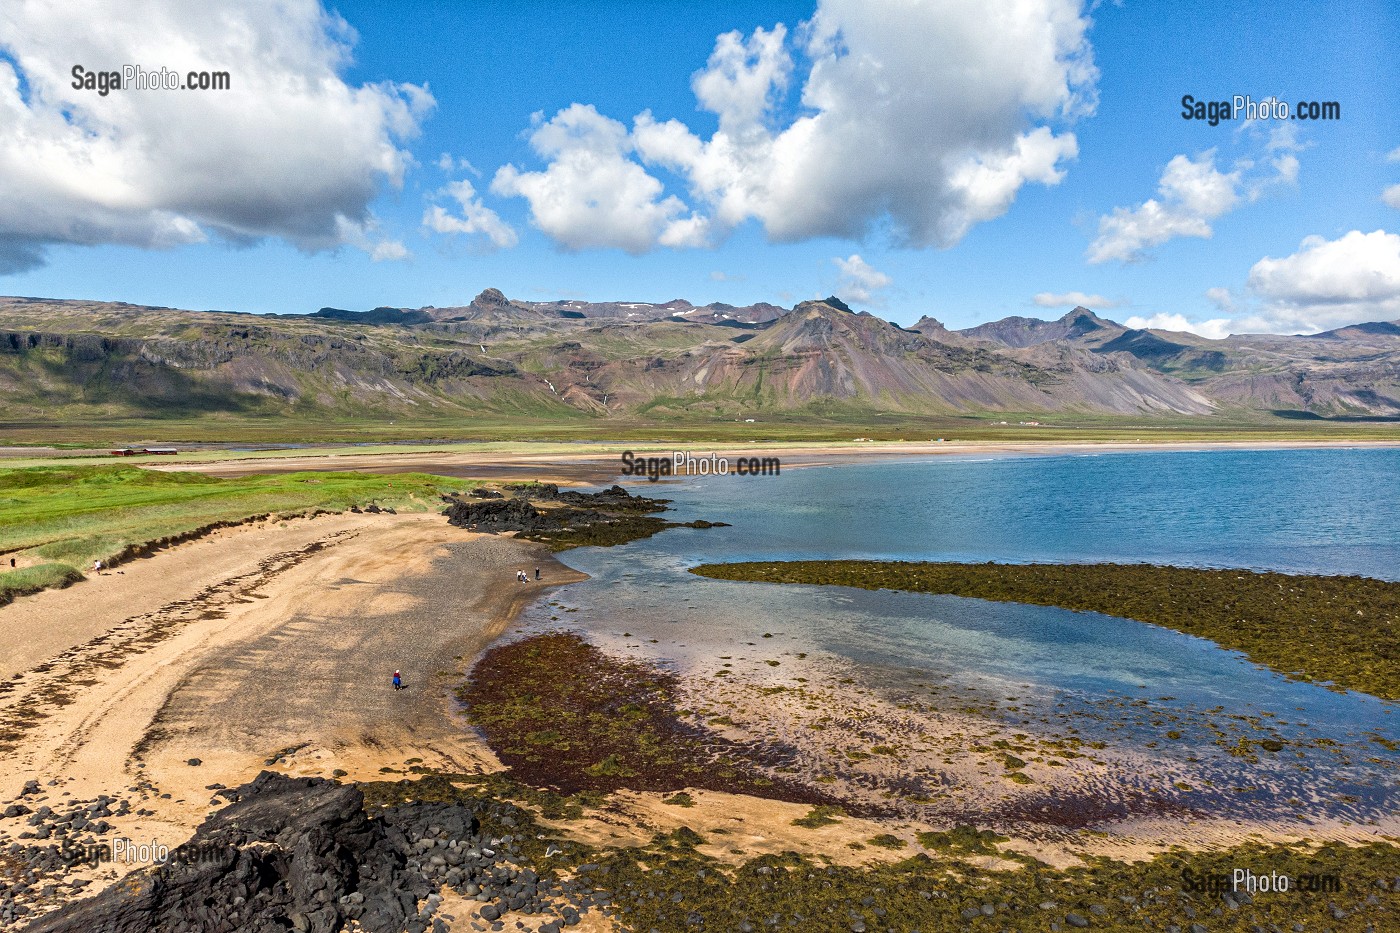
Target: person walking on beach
[398, 681]
[537, 574]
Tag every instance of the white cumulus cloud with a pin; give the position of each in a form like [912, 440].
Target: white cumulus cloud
[1221, 298]
[860, 281]
[1391, 196]
[291, 150]
[388, 251]
[919, 120]
[476, 217]
[1330, 283]
[1072, 300]
[592, 195]
[1193, 192]
[1280, 148]
[1214, 329]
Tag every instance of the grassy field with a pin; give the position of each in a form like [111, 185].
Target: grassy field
[55, 520]
[768, 428]
[1344, 631]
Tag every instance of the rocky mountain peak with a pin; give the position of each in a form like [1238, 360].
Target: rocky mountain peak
[822, 304]
[491, 297]
[1085, 319]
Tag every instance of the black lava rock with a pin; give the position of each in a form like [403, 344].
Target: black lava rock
[288, 852]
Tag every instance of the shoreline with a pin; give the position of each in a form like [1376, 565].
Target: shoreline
[1233, 608]
[277, 661]
[593, 463]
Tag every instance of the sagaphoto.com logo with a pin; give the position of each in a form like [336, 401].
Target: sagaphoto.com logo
[136, 78]
[1244, 107]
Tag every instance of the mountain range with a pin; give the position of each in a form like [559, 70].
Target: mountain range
[674, 360]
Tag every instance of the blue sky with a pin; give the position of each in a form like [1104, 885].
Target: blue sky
[1282, 226]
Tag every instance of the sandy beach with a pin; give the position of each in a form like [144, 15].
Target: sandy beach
[268, 645]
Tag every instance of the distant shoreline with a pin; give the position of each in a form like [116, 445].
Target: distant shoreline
[601, 462]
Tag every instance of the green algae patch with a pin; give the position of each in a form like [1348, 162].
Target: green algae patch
[1341, 631]
[819, 817]
[887, 841]
[562, 715]
[962, 840]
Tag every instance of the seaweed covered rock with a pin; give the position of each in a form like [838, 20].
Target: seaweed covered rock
[613, 498]
[540, 512]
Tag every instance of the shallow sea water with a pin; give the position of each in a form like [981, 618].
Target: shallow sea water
[1321, 511]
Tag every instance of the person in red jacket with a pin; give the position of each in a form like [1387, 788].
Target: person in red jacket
[398, 681]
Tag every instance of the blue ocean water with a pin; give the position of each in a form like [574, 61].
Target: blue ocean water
[1303, 511]
[1315, 511]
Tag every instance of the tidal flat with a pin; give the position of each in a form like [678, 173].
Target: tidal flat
[668, 751]
[1060, 776]
[895, 828]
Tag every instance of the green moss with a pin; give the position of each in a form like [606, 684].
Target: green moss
[961, 839]
[1341, 631]
[611, 766]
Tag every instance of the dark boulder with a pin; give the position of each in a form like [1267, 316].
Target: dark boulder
[286, 856]
[482, 493]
